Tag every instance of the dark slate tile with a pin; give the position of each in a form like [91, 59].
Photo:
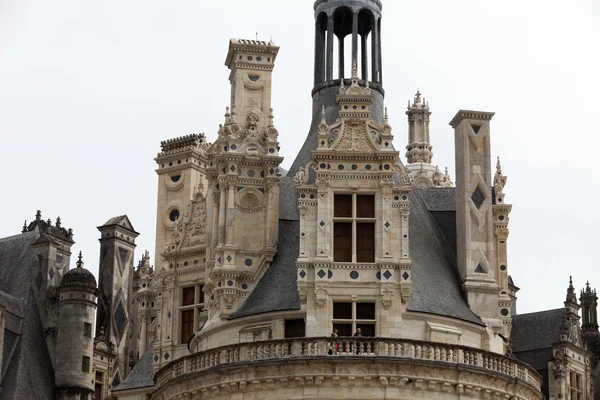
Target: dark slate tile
[278, 289]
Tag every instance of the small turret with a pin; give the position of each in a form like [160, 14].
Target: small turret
[419, 153]
[589, 310]
[77, 305]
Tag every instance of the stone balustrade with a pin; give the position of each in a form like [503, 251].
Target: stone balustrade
[410, 351]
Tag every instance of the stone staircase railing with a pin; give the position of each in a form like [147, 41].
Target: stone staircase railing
[349, 347]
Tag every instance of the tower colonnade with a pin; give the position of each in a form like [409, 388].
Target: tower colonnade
[336, 20]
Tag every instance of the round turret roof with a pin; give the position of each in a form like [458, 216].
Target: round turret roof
[79, 276]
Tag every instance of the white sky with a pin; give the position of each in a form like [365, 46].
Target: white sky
[89, 89]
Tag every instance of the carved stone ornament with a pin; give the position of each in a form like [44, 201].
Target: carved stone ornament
[322, 296]
[561, 360]
[301, 177]
[303, 295]
[387, 297]
[229, 300]
[193, 227]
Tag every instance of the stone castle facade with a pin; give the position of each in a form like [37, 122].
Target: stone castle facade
[358, 274]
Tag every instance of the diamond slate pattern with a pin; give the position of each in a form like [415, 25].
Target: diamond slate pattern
[39, 280]
[120, 318]
[229, 258]
[387, 275]
[476, 128]
[478, 198]
[51, 273]
[405, 276]
[302, 274]
[321, 274]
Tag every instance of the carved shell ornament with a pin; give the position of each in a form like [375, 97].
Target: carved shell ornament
[249, 202]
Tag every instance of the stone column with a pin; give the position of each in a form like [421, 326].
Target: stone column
[222, 213]
[143, 336]
[272, 213]
[215, 223]
[364, 57]
[330, 37]
[355, 38]
[230, 214]
[319, 53]
[375, 52]
[380, 62]
[341, 57]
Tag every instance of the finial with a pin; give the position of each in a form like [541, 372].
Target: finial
[49, 222]
[80, 261]
[418, 97]
[70, 234]
[385, 115]
[227, 116]
[570, 282]
[499, 167]
[58, 222]
[271, 117]
[354, 70]
[38, 216]
[323, 115]
[24, 227]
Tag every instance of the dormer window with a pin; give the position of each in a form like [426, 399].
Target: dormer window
[354, 228]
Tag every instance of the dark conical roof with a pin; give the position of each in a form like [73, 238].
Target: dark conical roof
[79, 276]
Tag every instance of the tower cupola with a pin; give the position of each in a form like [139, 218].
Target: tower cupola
[336, 20]
[75, 345]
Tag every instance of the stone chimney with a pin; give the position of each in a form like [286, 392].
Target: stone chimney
[474, 216]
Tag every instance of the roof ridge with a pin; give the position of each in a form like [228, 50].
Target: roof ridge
[540, 312]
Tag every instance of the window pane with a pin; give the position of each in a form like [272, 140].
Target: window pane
[85, 364]
[188, 296]
[295, 328]
[365, 311]
[343, 329]
[342, 207]
[201, 294]
[99, 377]
[98, 391]
[187, 325]
[365, 206]
[366, 330]
[342, 310]
[365, 242]
[87, 330]
[342, 242]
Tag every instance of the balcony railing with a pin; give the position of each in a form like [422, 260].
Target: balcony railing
[401, 349]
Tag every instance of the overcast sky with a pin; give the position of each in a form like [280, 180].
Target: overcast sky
[89, 89]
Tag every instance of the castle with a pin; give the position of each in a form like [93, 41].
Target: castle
[360, 273]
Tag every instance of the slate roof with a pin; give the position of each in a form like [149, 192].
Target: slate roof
[532, 336]
[277, 290]
[536, 330]
[121, 220]
[142, 374]
[436, 284]
[16, 258]
[79, 276]
[26, 365]
[441, 204]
